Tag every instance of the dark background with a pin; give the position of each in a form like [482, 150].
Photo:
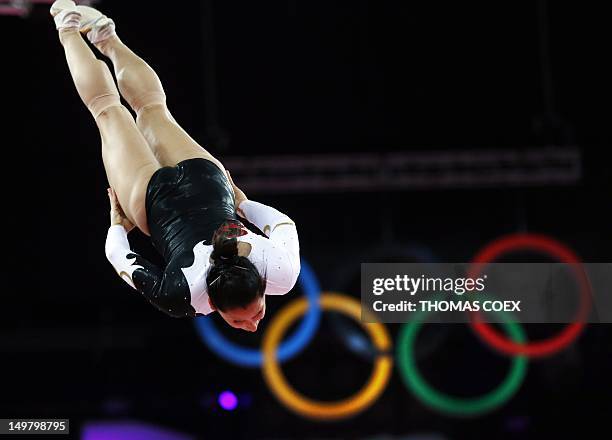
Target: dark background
[289, 77]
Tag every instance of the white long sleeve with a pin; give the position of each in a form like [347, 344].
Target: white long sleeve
[119, 254]
[166, 289]
[280, 254]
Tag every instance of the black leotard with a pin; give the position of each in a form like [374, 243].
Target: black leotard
[185, 205]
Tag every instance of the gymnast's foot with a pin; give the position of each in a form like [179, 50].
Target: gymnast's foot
[87, 20]
[65, 15]
[95, 24]
[61, 5]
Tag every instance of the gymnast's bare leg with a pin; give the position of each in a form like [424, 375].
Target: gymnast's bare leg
[128, 160]
[141, 88]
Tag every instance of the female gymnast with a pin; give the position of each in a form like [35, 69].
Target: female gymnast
[173, 190]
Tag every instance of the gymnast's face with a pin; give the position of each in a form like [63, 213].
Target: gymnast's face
[246, 318]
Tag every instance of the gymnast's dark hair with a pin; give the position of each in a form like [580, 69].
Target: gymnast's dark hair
[233, 281]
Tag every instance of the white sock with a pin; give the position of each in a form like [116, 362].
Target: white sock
[67, 19]
[99, 33]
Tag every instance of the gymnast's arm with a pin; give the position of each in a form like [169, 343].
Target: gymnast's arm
[167, 290]
[281, 250]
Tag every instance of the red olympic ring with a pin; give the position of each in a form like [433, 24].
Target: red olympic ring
[542, 243]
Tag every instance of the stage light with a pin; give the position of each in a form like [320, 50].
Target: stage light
[228, 400]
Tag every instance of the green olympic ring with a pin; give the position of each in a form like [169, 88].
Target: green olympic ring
[451, 405]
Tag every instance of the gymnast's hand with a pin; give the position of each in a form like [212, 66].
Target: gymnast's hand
[239, 195]
[117, 216]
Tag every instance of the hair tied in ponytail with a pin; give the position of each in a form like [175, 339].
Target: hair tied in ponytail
[232, 280]
[225, 245]
[231, 229]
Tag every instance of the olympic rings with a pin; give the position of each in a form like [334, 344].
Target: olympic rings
[455, 405]
[380, 343]
[316, 409]
[250, 357]
[564, 254]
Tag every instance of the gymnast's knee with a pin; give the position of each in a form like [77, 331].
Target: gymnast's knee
[98, 105]
[100, 92]
[151, 115]
[148, 100]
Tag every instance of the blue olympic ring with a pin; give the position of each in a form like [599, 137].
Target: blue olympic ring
[253, 358]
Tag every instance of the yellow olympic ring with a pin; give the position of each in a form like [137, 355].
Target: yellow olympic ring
[318, 409]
